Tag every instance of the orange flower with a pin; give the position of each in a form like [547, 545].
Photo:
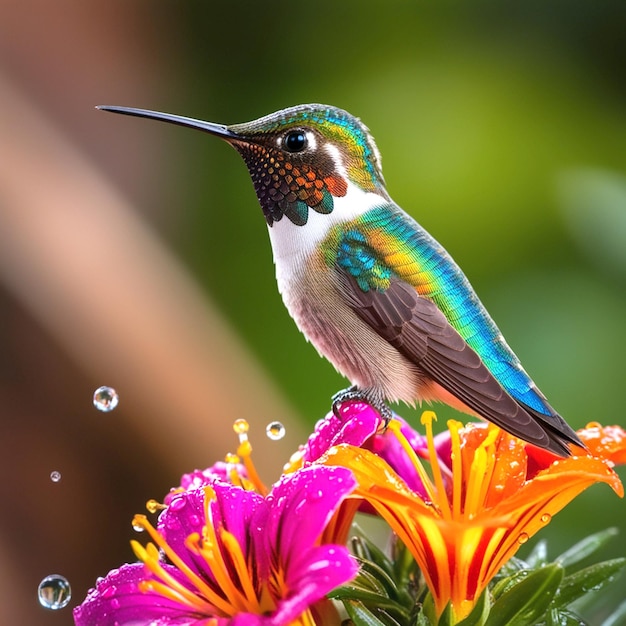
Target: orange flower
[480, 507]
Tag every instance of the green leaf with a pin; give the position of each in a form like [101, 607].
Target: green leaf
[528, 600]
[422, 620]
[366, 550]
[428, 608]
[360, 615]
[404, 565]
[587, 580]
[377, 577]
[504, 584]
[586, 547]
[348, 593]
[479, 613]
[556, 617]
[447, 617]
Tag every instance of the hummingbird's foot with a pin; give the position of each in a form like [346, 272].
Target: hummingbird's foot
[369, 396]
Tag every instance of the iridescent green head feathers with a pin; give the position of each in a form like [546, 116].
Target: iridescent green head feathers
[299, 158]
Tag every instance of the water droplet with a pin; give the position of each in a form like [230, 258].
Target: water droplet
[105, 399]
[275, 431]
[138, 528]
[523, 538]
[54, 592]
[178, 503]
[545, 518]
[55, 476]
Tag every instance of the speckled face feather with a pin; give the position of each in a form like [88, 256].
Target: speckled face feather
[338, 148]
[290, 186]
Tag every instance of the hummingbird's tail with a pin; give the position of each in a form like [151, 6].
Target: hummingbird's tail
[559, 432]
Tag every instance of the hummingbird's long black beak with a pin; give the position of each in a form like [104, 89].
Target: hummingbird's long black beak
[218, 130]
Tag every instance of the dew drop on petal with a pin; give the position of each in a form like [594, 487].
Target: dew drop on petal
[275, 431]
[545, 518]
[105, 399]
[316, 494]
[54, 592]
[55, 476]
[523, 538]
[177, 504]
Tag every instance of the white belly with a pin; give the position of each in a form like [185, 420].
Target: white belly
[358, 352]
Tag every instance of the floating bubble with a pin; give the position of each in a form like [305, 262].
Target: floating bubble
[105, 399]
[54, 592]
[55, 476]
[275, 431]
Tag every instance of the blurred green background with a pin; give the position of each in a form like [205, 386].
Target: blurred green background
[502, 127]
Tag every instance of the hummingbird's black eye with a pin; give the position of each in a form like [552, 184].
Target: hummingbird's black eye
[295, 141]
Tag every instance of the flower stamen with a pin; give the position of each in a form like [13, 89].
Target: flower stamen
[442, 500]
[154, 564]
[395, 427]
[457, 465]
[168, 585]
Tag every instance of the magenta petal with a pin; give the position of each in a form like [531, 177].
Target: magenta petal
[358, 423]
[298, 509]
[387, 446]
[117, 601]
[325, 568]
[183, 516]
[232, 509]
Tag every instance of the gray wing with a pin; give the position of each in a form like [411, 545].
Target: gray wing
[420, 331]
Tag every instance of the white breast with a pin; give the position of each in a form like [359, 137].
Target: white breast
[292, 245]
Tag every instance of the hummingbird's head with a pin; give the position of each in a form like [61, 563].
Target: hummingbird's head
[299, 158]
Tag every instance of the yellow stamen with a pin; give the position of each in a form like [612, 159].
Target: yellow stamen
[241, 427]
[396, 428]
[482, 465]
[243, 574]
[245, 451]
[244, 599]
[152, 506]
[173, 589]
[442, 501]
[205, 590]
[208, 549]
[457, 465]
[232, 460]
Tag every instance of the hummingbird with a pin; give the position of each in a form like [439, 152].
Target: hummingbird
[370, 288]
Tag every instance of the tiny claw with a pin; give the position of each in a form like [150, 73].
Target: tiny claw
[369, 396]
